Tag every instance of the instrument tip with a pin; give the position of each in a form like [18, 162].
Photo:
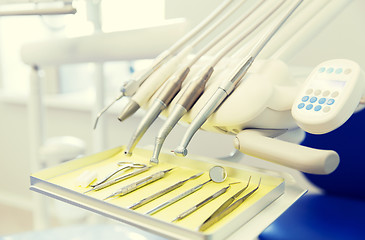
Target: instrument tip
[180, 151]
[129, 110]
[154, 160]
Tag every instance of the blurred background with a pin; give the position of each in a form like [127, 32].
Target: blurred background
[69, 90]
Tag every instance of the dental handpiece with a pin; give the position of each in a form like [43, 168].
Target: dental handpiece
[227, 86]
[162, 192]
[174, 83]
[140, 183]
[196, 87]
[146, 91]
[118, 179]
[130, 87]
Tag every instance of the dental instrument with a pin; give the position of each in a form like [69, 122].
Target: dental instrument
[118, 179]
[197, 86]
[217, 174]
[162, 192]
[146, 90]
[140, 183]
[130, 87]
[226, 208]
[123, 166]
[175, 82]
[227, 86]
[202, 203]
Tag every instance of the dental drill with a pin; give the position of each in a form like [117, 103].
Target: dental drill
[175, 82]
[227, 86]
[196, 87]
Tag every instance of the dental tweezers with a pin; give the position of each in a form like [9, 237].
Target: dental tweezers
[226, 208]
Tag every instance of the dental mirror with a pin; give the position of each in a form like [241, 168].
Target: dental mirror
[217, 174]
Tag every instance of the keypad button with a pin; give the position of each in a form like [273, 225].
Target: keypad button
[347, 71]
[301, 105]
[322, 100]
[326, 109]
[335, 94]
[317, 108]
[309, 106]
[338, 71]
[317, 92]
[305, 98]
[330, 101]
[326, 93]
[322, 69]
[313, 99]
[330, 70]
[309, 91]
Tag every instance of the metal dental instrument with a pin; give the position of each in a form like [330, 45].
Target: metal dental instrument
[174, 83]
[227, 86]
[197, 85]
[123, 166]
[140, 183]
[130, 87]
[118, 179]
[146, 90]
[226, 208]
[162, 192]
[217, 174]
[202, 203]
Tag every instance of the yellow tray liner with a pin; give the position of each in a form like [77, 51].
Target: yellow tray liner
[193, 221]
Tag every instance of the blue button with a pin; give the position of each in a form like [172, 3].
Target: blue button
[317, 108]
[330, 101]
[301, 105]
[305, 98]
[313, 99]
[339, 70]
[322, 100]
[322, 69]
[309, 107]
[330, 70]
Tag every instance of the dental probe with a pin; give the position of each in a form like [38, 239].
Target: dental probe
[227, 86]
[147, 89]
[130, 87]
[118, 179]
[162, 192]
[140, 183]
[196, 87]
[174, 84]
[202, 203]
[217, 174]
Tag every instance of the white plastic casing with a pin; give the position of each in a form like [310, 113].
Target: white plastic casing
[329, 96]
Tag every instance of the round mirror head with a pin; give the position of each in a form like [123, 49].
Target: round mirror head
[217, 174]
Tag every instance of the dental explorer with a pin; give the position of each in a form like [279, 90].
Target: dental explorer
[227, 86]
[196, 87]
[162, 192]
[118, 179]
[226, 208]
[217, 174]
[130, 87]
[202, 203]
[140, 183]
[149, 87]
[174, 83]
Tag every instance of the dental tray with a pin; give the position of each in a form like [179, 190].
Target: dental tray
[60, 182]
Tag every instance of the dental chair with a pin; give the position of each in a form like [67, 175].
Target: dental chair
[337, 213]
